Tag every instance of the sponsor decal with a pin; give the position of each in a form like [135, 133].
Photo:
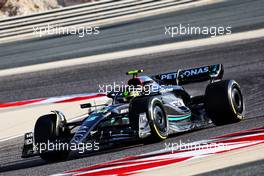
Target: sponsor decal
[194, 72]
[178, 102]
[123, 111]
[91, 118]
[185, 73]
[168, 76]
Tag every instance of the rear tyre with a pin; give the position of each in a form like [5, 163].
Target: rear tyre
[45, 133]
[224, 102]
[156, 115]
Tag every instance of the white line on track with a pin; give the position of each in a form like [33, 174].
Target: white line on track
[12, 137]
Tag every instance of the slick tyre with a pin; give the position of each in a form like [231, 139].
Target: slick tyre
[45, 133]
[224, 102]
[156, 115]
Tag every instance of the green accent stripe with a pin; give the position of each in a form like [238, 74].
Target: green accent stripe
[179, 118]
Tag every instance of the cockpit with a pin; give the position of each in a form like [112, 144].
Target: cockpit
[136, 86]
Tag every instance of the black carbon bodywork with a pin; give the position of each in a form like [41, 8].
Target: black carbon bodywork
[113, 123]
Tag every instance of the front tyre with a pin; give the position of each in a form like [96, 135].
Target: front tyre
[224, 102]
[156, 115]
[158, 120]
[45, 132]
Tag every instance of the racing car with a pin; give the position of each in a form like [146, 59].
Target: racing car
[148, 110]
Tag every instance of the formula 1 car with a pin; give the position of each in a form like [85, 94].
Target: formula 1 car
[150, 108]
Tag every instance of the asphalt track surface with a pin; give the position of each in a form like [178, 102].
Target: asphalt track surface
[243, 61]
[248, 72]
[241, 15]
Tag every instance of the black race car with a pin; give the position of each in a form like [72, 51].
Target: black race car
[149, 108]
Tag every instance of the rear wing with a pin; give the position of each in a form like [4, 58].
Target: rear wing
[192, 75]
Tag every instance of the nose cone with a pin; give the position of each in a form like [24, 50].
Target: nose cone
[80, 135]
[84, 130]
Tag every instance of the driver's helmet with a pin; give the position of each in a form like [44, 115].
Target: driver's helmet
[134, 88]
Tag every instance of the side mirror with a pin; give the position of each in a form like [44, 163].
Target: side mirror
[111, 95]
[86, 105]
